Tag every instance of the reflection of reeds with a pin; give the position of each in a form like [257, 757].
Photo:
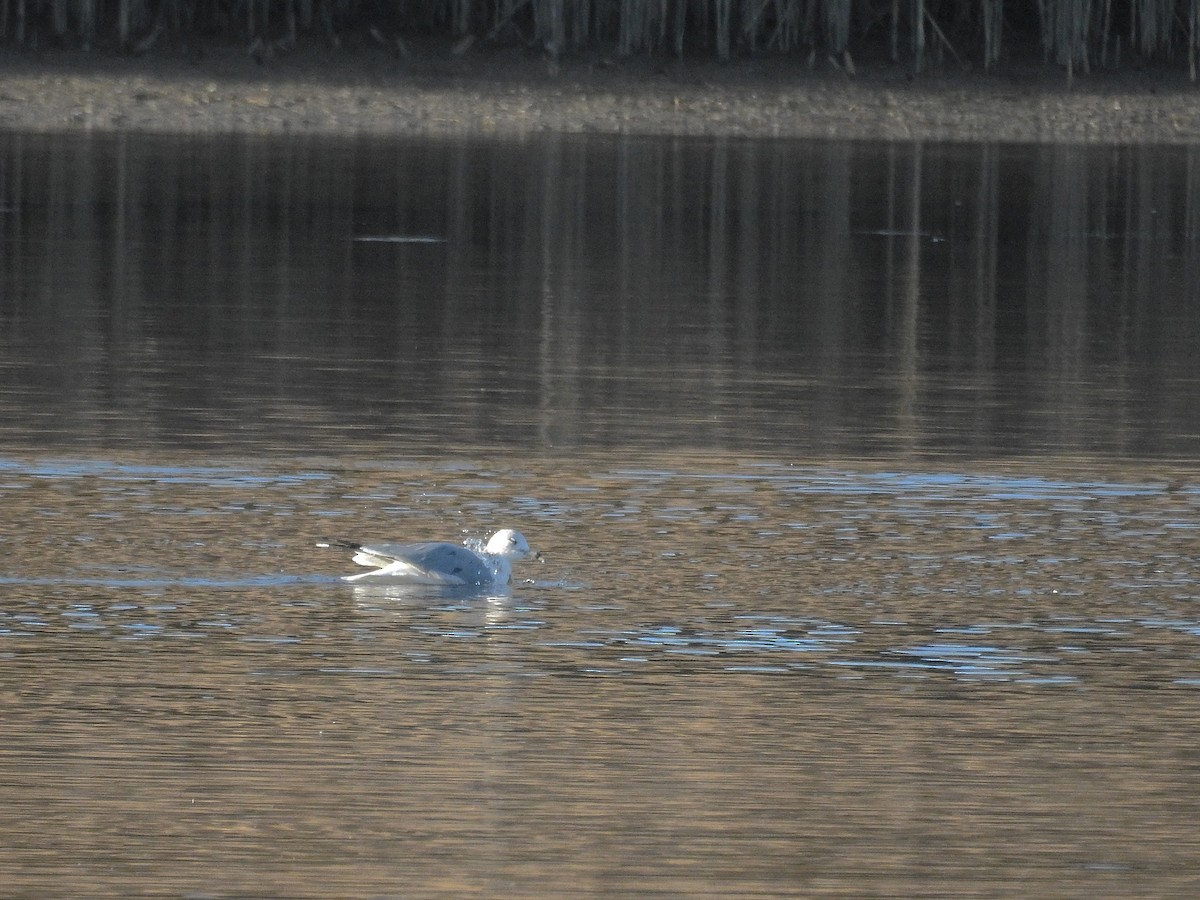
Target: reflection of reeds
[1073, 260]
[1077, 34]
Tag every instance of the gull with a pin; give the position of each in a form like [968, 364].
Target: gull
[440, 564]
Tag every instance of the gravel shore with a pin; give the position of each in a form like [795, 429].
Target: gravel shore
[364, 90]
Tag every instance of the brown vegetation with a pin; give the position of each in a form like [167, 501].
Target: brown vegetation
[1080, 35]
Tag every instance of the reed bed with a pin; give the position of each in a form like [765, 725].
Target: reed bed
[1080, 35]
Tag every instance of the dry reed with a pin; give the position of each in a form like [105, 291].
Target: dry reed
[1077, 34]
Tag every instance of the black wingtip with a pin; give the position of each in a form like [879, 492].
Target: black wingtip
[341, 545]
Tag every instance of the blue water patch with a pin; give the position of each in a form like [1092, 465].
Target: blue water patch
[113, 471]
[122, 583]
[929, 485]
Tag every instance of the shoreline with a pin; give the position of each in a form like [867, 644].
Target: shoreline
[365, 91]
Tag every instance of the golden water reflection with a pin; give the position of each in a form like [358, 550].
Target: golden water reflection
[730, 677]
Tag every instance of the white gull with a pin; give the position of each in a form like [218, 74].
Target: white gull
[437, 563]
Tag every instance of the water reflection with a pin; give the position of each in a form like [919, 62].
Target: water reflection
[755, 567]
[725, 665]
[567, 292]
[864, 477]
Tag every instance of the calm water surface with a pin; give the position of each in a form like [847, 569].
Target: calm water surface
[864, 476]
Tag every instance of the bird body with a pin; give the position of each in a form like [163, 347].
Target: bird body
[441, 564]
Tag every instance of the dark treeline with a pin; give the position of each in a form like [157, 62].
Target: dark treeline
[1082, 35]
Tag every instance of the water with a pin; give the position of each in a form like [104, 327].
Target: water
[864, 477]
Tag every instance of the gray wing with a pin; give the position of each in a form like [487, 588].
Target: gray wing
[445, 561]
